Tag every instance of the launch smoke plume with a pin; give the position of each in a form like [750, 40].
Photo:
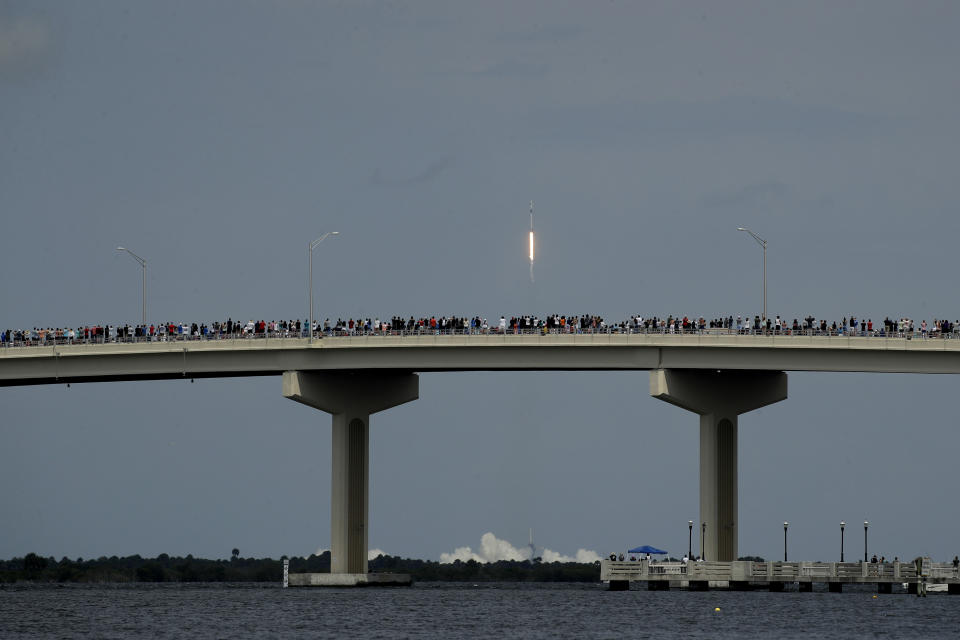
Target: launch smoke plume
[493, 549]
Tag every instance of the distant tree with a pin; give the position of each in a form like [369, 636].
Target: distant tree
[150, 572]
[34, 564]
[235, 553]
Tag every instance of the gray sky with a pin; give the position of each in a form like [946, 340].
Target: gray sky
[215, 139]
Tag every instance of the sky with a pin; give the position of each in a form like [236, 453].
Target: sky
[217, 139]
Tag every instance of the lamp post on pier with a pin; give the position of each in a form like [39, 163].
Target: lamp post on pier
[865, 525]
[312, 246]
[703, 533]
[842, 525]
[690, 541]
[785, 525]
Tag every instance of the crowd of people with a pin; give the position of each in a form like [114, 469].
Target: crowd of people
[477, 325]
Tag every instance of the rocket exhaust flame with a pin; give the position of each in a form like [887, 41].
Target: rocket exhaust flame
[531, 241]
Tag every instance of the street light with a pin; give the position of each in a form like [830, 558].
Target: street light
[690, 541]
[842, 525]
[785, 525]
[865, 525]
[762, 243]
[703, 533]
[143, 265]
[312, 246]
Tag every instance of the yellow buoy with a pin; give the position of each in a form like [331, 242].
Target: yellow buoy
[717, 609]
[874, 597]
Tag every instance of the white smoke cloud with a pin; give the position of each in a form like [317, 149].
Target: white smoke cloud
[371, 554]
[463, 554]
[582, 555]
[493, 549]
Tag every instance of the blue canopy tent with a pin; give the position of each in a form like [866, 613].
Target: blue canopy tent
[647, 549]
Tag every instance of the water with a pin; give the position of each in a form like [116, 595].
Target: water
[503, 610]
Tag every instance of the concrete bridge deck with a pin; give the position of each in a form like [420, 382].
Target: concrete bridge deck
[425, 353]
[774, 575]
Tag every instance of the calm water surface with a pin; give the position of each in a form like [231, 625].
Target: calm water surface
[448, 610]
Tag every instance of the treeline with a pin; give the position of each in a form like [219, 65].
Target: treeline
[165, 568]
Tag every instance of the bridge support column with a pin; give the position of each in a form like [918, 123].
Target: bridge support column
[351, 398]
[719, 397]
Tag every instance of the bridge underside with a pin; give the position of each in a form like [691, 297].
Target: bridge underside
[351, 399]
[719, 397]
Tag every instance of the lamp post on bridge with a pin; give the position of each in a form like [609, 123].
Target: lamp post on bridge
[143, 266]
[842, 525]
[865, 525]
[785, 525]
[762, 243]
[312, 246]
[690, 541]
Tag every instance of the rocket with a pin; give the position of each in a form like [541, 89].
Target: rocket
[531, 241]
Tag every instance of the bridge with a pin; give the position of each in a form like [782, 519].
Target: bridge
[718, 376]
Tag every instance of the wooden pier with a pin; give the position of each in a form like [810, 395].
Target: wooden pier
[745, 575]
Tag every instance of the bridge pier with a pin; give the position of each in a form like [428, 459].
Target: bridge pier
[719, 397]
[351, 397]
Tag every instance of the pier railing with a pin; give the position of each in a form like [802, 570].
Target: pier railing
[778, 571]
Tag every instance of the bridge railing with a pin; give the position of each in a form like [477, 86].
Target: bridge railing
[60, 337]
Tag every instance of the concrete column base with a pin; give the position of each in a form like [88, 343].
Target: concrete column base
[350, 580]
